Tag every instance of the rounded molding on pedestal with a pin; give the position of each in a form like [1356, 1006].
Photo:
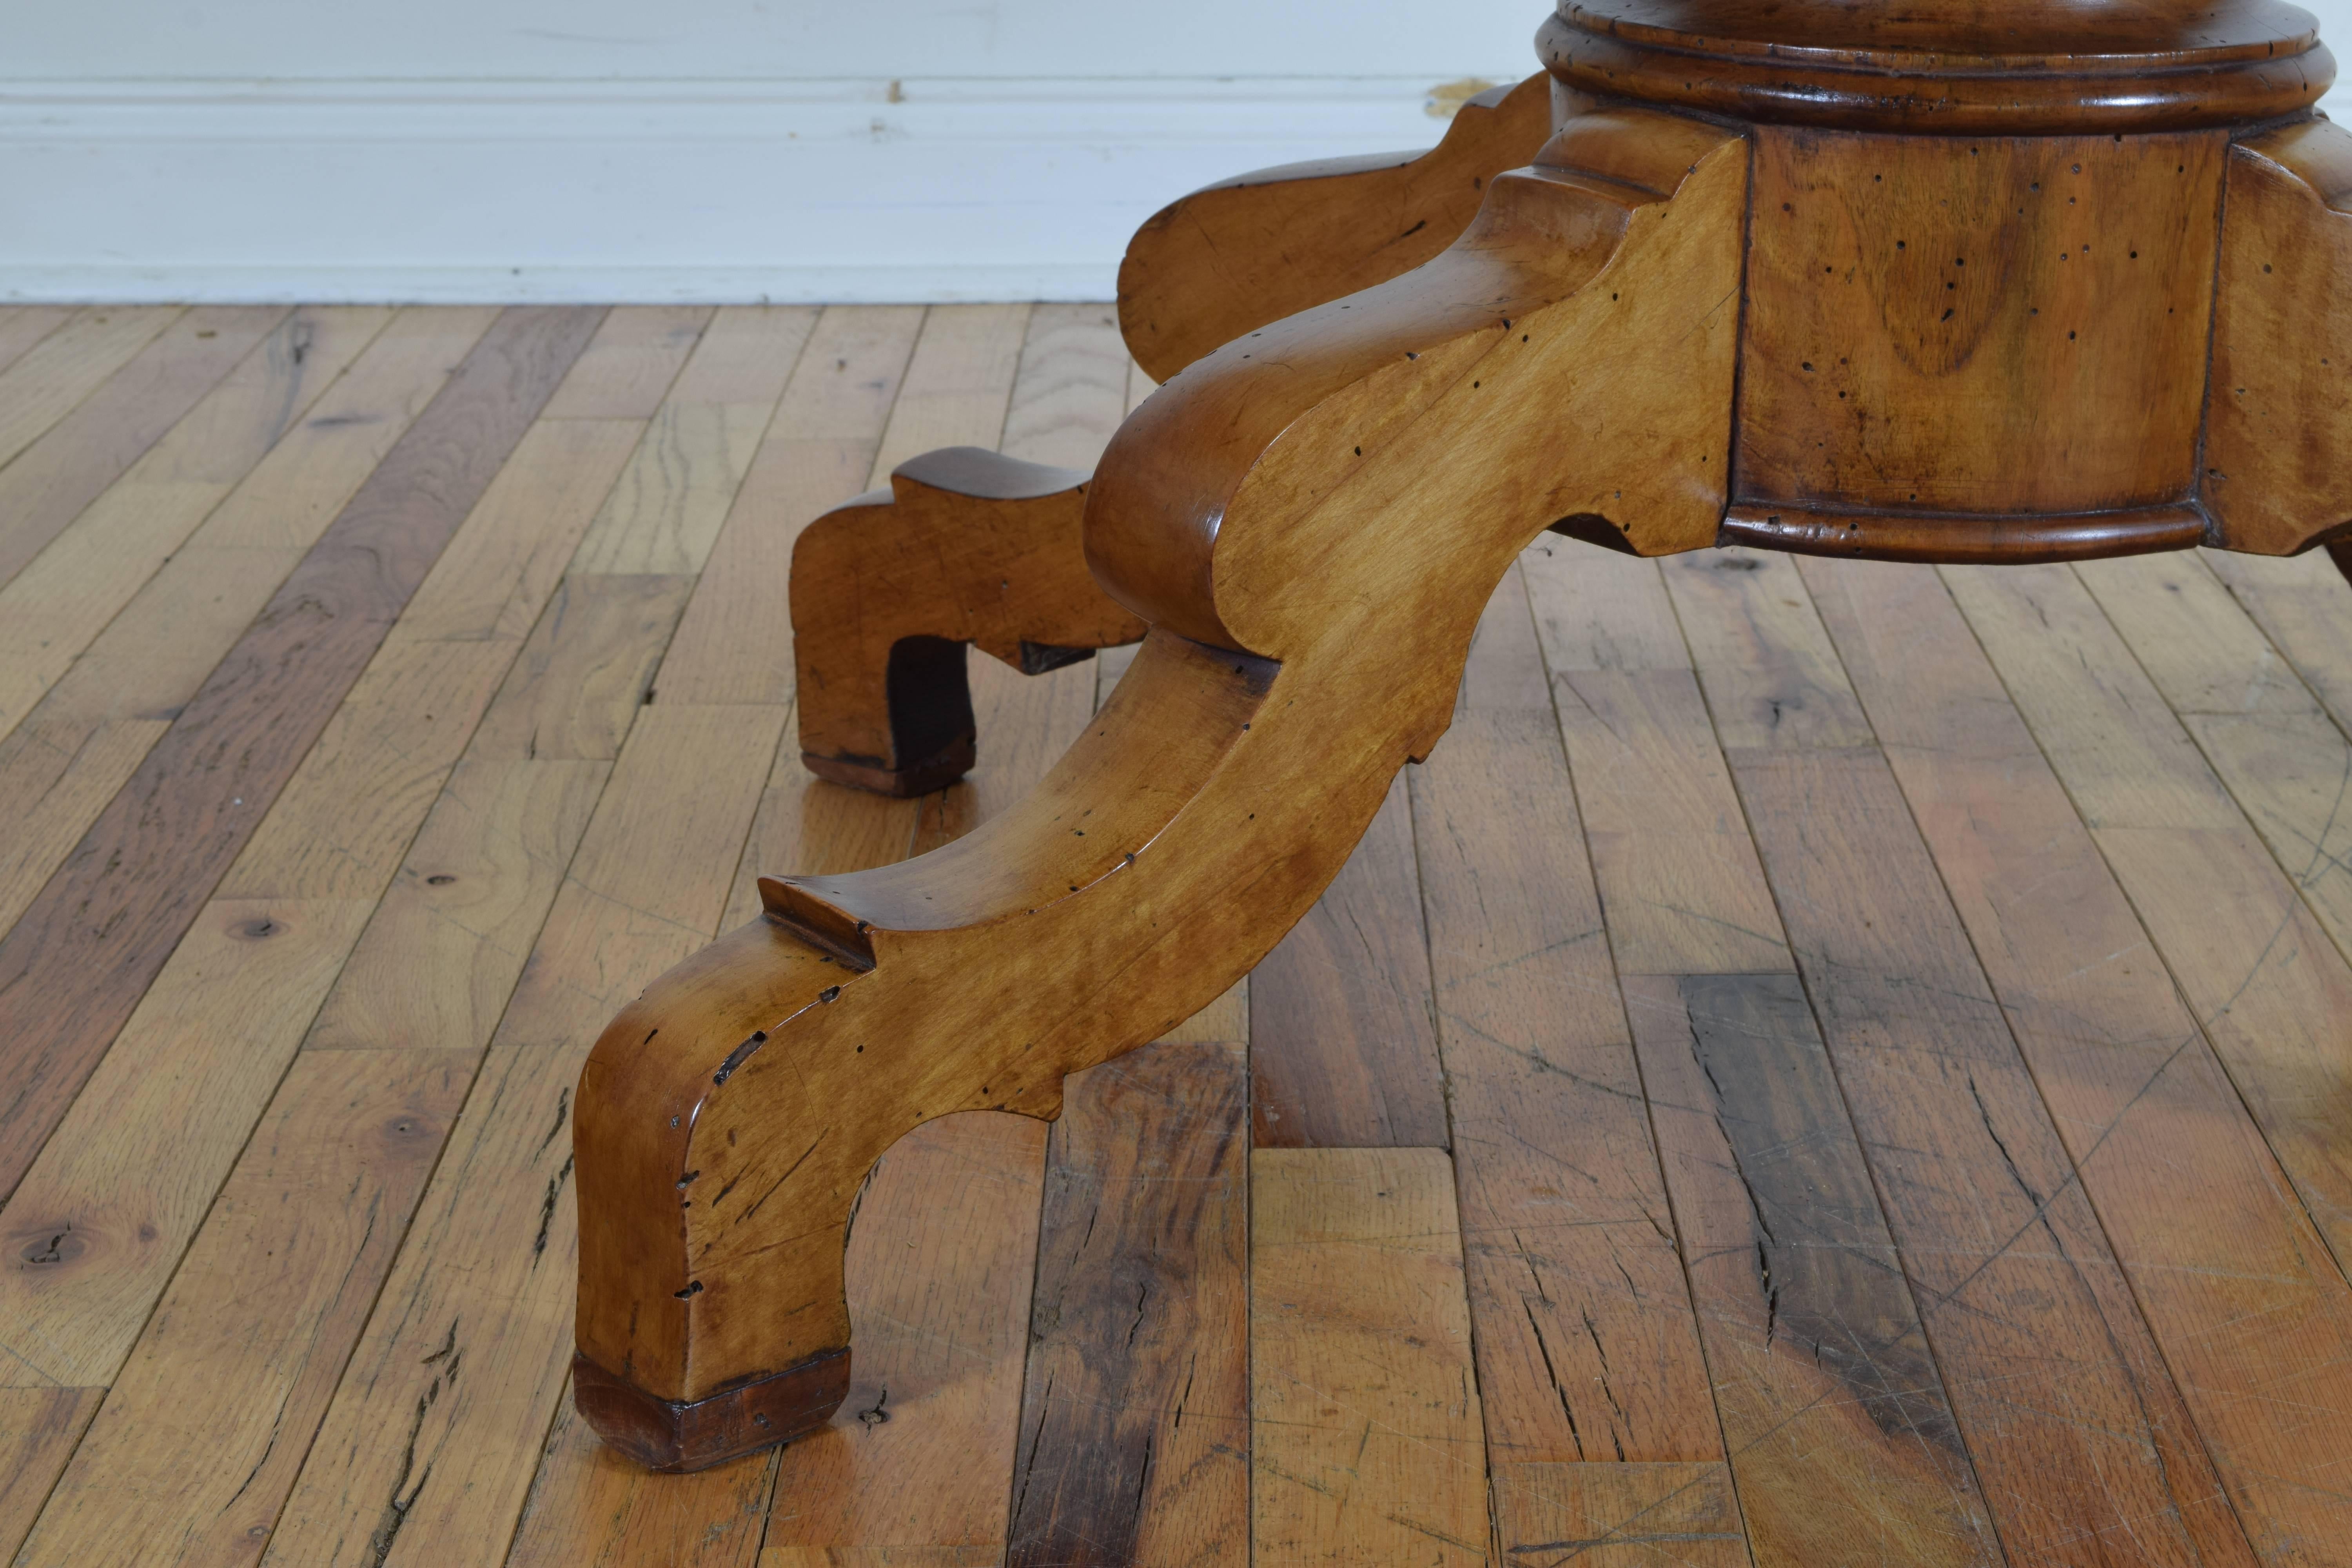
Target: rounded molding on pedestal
[2001, 68]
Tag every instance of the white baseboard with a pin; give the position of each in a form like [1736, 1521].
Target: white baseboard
[633, 191]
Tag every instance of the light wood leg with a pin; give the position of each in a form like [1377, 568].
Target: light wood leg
[969, 547]
[1227, 260]
[1311, 519]
[965, 547]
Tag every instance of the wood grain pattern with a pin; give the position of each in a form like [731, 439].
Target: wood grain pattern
[1839, 1429]
[23, 326]
[38, 1429]
[486, 865]
[2236, 1284]
[106, 922]
[590, 1506]
[941, 1267]
[1135, 1414]
[1918, 309]
[1070, 392]
[2257, 969]
[64, 598]
[412, 1463]
[1935, 1084]
[1586, 1346]
[2079, 1439]
[628, 366]
[166, 1116]
[1137, 765]
[2300, 604]
[665, 513]
[1364, 1416]
[1343, 1036]
[45, 381]
[1618, 1516]
[1227, 260]
[191, 1457]
[880, 1557]
[2261, 730]
[2278, 410]
[49, 483]
[958, 383]
[1677, 872]
[820, 451]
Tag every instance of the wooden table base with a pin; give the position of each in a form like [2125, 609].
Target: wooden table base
[2020, 283]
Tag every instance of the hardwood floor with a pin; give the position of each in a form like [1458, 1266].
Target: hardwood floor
[1827, 1063]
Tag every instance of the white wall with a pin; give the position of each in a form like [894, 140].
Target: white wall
[681, 149]
[675, 149]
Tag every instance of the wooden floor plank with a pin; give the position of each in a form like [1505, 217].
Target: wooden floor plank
[343, 820]
[1618, 1516]
[941, 1262]
[1364, 1421]
[74, 965]
[145, 1150]
[38, 1430]
[424, 987]
[664, 515]
[65, 598]
[821, 450]
[23, 326]
[1771, 676]
[2237, 1286]
[1135, 1418]
[627, 368]
[591, 1507]
[1678, 875]
[390, 744]
[1587, 1349]
[194, 1449]
[47, 484]
[1683, 891]
[50, 377]
[59, 770]
[2082, 1444]
[1840, 1436]
[2263, 732]
[306, 882]
[2080, 1441]
[2258, 969]
[2304, 606]
[880, 1557]
[1070, 392]
[414, 1463]
[582, 1504]
[958, 384]
[1343, 1047]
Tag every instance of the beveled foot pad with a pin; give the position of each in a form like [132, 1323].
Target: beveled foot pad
[665, 1434]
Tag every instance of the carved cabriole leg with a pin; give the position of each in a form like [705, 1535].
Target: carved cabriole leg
[1312, 518]
[2279, 404]
[966, 546]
